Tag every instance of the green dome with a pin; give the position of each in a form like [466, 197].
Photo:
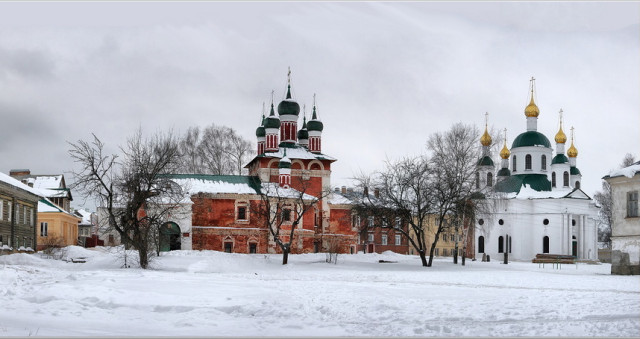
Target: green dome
[315, 125]
[260, 132]
[504, 172]
[485, 161]
[288, 106]
[560, 159]
[530, 138]
[303, 134]
[272, 121]
[284, 162]
[574, 171]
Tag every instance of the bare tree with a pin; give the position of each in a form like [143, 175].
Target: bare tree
[453, 163]
[215, 150]
[628, 160]
[403, 192]
[133, 189]
[282, 210]
[603, 198]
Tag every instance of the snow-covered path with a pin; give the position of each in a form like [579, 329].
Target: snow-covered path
[216, 294]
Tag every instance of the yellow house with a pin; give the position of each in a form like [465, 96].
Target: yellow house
[57, 227]
[446, 243]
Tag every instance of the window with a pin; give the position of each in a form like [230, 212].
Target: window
[398, 223]
[444, 252]
[316, 218]
[437, 252]
[480, 222]
[444, 237]
[385, 223]
[543, 160]
[1, 209]
[44, 229]
[527, 162]
[513, 164]
[384, 239]
[565, 179]
[545, 222]
[577, 184]
[545, 244]
[228, 246]
[500, 244]
[286, 214]
[501, 222]
[553, 179]
[253, 247]
[242, 212]
[398, 240]
[370, 221]
[632, 204]
[24, 218]
[510, 244]
[489, 179]
[370, 237]
[477, 179]
[480, 244]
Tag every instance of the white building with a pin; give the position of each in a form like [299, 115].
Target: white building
[537, 205]
[625, 228]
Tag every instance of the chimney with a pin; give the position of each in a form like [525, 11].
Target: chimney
[376, 192]
[19, 172]
[344, 189]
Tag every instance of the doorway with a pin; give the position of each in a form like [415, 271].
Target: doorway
[170, 237]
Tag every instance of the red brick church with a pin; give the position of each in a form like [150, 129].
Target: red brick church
[223, 212]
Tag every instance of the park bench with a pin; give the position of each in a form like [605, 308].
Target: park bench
[555, 259]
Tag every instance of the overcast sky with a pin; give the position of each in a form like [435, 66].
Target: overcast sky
[386, 75]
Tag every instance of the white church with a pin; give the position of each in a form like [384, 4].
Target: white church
[536, 205]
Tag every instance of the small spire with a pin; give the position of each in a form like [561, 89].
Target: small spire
[314, 117]
[485, 139]
[272, 111]
[532, 110]
[289, 84]
[572, 152]
[504, 153]
[560, 138]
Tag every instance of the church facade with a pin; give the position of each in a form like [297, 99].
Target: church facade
[535, 201]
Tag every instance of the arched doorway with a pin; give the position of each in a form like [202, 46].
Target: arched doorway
[169, 237]
[574, 248]
[480, 244]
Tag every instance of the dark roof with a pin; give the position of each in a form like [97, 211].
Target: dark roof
[538, 182]
[530, 138]
[485, 161]
[560, 159]
[574, 171]
[504, 172]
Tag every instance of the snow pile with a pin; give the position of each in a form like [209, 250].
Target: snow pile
[628, 172]
[204, 293]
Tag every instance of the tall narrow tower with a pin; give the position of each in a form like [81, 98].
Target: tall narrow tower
[315, 128]
[271, 127]
[261, 134]
[486, 168]
[288, 111]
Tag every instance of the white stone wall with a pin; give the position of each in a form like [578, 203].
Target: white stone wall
[625, 231]
[536, 153]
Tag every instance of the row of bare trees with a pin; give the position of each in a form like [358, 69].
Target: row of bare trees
[433, 191]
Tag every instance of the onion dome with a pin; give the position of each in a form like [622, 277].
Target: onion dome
[288, 106]
[284, 162]
[485, 161]
[559, 159]
[561, 138]
[260, 132]
[272, 121]
[532, 110]
[303, 133]
[504, 153]
[574, 171]
[315, 124]
[572, 152]
[530, 138]
[485, 139]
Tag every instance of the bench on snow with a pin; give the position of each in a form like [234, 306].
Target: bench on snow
[555, 259]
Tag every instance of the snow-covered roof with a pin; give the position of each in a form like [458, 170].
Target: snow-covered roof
[628, 171]
[85, 215]
[234, 184]
[46, 206]
[17, 183]
[526, 192]
[51, 186]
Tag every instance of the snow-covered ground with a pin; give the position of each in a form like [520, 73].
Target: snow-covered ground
[209, 293]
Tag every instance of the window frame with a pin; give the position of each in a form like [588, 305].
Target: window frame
[398, 240]
[528, 162]
[632, 204]
[44, 226]
[385, 240]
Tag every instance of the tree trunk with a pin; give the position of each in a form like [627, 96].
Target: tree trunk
[423, 258]
[285, 256]
[144, 258]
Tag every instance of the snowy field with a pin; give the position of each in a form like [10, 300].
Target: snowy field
[191, 293]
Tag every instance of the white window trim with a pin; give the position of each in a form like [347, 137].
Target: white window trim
[384, 239]
[398, 239]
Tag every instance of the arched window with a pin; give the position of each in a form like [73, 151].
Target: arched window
[543, 159]
[489, 179]
[500, 244]
[577, 184]
[545, 244]
[510, 244]
[477, 179]
[480, 244]
[514, 163]
[527, 162]
[553, 179]
[565, 179]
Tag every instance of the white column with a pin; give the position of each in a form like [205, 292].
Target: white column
[569, 235]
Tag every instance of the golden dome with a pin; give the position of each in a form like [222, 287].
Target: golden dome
[504, 153]
[485, 139]
[572, 152]
[532, 110]
[561, 138]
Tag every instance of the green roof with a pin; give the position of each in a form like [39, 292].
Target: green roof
[560, 159]
[485, 161]
[252, 181]
[504, 172]
[538, 182]
[574, 171]
[530, 138]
